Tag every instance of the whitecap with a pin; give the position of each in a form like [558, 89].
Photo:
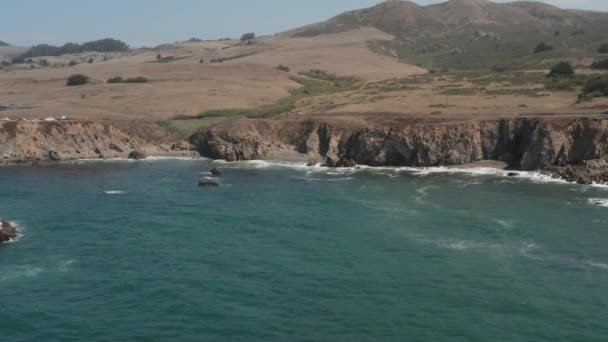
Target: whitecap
[599, 265]
[115, 192]
[600, 202]
[65, 265]
[505, 224]
[19, 272]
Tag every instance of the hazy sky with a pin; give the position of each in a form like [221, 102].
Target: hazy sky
[151, 22]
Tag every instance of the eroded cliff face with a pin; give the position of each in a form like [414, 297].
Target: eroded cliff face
[22, 142]
[525, 144]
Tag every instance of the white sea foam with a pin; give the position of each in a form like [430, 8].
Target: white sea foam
[393, 171]
[599, 265]
[505, 224]
[115, 192]
[600, 202]
[19, 272]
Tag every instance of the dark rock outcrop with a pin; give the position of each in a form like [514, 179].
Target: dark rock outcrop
[137, 155]
[207, 183]
[54, 156]
[7, 231]
[524, 144]
[215, 172]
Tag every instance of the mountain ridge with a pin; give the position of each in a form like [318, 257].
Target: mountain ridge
[487, 33]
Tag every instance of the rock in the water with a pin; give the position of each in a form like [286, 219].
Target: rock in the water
[513, 174]
[7, 231]
[207, 182]
[312, 162]
[137, 155]
[215, 172]
[344, 162]
[54, 156]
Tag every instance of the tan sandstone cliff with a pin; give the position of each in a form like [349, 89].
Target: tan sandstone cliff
[23, 142]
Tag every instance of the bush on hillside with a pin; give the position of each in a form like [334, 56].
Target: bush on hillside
[600, 65]
[603, 48]
[248, 36]
[119, 79]
[562, 69]
[73, 63]
[283, 68]
[542, 47]
[596, 87]
[78, 79]
[102, 45]
[91, 60]
[116, 79]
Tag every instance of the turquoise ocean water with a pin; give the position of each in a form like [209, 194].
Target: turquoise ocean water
[135, 251]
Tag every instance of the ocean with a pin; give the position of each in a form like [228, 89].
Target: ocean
[136, 251]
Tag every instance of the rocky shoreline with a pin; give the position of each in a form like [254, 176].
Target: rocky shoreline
[573, 149]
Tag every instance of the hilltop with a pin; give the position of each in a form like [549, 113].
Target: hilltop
[4, 43]
[475, 34]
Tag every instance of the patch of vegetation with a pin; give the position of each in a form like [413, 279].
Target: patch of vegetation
[283, 68]
[248, 36]
[77, 80]
[459, 91]
[600, 65]
[167, 59]
[222, 60]
[310, 88]
[194, 40]
[187, 127]
[564, 83]
[3, 43]
[595, 87]
[102, 45]
[516, 92]
[603, 48]
[119, 79]
[324, 76]
[542, 47]
[561, 69]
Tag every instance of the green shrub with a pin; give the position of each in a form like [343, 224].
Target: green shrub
[603, 48]
[283, 68]
[137, 80]
[542, 47]
[78, 79]
[561, 69]
[116, 79]
[601, 65]
[595, 87]
[91, 60]
[73, 63]
[248, 36]
[119, 79]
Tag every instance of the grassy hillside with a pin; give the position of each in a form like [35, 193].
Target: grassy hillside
[475, 34]
[3, 43]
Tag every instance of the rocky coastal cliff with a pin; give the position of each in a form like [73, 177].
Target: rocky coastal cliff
[31, 142]
[573, 148]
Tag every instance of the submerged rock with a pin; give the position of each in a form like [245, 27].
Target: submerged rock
[215, 172]
[7, 231]
[513, 174]
[137, 155]
[207, 183]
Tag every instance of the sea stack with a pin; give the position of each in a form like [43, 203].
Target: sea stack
[7, 231]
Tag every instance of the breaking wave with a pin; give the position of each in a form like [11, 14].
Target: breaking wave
[600, 202]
